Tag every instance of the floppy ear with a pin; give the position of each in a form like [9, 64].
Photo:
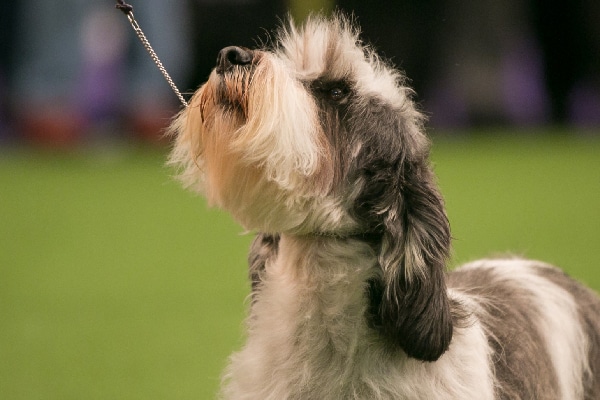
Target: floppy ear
[410, 302]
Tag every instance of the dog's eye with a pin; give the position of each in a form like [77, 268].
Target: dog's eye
[337, 93]
[334, 91]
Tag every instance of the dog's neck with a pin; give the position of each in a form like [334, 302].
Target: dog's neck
[308, 318]
[324, 257]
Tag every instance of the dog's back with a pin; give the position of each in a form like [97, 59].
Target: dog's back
[542, 326]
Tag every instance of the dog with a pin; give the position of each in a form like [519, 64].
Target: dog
[316, 143]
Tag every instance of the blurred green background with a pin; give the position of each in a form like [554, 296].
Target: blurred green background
[115, 283]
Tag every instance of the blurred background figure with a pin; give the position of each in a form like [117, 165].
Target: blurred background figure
[78, 75]
[8, 23]
[569, 35]
[73, 70]
[510, 63]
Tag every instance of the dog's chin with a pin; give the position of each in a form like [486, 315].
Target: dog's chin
[212, 164]
[231, 93]
[225, 97]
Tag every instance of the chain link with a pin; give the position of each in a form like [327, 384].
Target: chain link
[154, 57]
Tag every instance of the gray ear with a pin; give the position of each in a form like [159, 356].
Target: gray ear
[410, 303]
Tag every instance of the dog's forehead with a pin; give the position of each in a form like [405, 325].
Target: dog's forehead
[331, 50]
[321, 47]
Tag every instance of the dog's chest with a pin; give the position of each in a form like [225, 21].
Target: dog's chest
[307, 329]
[308, 336]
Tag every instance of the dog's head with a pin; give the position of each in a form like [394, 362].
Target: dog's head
[320, 136]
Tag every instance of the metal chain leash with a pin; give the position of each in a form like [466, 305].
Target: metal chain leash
[128, 11]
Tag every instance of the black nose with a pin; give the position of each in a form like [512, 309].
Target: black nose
[232, 55]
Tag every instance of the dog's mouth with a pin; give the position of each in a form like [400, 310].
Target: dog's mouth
[234, 69]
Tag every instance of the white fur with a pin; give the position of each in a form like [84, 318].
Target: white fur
[279, 135]
[308, 338]
[310, 61]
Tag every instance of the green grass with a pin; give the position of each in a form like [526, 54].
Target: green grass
[117, 284]
[114, 282]
[535, 196]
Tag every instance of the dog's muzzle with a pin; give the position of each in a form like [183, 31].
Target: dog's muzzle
[233, 56]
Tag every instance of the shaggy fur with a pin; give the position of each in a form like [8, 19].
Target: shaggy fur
[317, 144]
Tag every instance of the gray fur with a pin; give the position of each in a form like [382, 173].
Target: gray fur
[589, 315]
[522, 366]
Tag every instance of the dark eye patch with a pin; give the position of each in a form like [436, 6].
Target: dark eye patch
[335, 91]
